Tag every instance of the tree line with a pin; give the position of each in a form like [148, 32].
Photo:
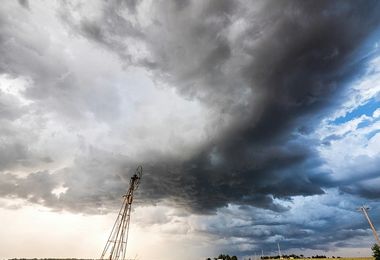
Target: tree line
[224, 257]
[293, 256]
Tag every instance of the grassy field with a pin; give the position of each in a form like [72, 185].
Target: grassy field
[357, 258]
[342, 258]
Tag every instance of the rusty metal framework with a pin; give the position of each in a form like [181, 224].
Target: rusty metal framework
[364, 209]
[116, 245]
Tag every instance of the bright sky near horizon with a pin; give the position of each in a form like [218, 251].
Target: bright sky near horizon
[256, 123]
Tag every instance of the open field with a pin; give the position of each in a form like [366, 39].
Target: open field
[357, 258]
[330, 258]
[342, 258]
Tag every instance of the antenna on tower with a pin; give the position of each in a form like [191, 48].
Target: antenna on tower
[116, 245]
[364, 209]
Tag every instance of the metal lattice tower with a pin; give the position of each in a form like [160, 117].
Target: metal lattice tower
[116, 245]
[364, 209]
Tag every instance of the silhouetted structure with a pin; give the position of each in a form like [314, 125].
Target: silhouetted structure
[116, 245]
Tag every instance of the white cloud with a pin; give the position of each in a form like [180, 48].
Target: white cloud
[376, 113]
[352, 151]
[360, 90]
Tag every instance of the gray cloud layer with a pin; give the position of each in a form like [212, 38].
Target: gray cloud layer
[264, 69]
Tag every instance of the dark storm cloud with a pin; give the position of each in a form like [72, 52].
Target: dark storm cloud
[365, 191]
[204, 185]
[266, 70]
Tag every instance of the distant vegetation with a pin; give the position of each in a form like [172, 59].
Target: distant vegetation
[300, 257]
[224, 257]
[227, 257]
[293, 256]
[287, 257]
[376, 251]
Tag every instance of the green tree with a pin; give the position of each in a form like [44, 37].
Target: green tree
[376, 251]
[227, 257]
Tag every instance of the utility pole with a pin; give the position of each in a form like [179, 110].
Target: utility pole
[364, 209]
[279, 250]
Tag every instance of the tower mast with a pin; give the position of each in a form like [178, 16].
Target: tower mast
[116, 245]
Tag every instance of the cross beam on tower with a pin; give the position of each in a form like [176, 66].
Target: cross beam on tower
[116, 245]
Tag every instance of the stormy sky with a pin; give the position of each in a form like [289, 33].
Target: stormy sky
[256, 123]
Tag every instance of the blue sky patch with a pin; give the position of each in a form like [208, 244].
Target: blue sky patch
[365, 109]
